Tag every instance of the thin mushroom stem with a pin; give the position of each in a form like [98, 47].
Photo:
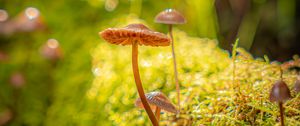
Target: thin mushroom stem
[157, 112]
[139, 86]
[175, 67]
[281, 72]
[281, 113]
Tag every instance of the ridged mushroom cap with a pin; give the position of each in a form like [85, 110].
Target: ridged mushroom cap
[280, 92]
[135, 33]
[170, 16]
[157, 99]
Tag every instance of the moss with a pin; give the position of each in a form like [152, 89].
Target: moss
[205, 73]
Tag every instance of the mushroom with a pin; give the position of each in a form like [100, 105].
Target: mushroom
[51, 50]
[17, 80]
[29, 20]
[5, 117]
[171, 17]
[3, 15]
[157, 102]
[136, 34]
[280, 93]
[297, 85]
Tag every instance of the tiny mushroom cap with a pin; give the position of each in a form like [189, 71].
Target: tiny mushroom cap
[170, 16]
[280, 92]
[157, 99]
[135, 33]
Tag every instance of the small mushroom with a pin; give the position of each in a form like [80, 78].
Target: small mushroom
[3, 15]
[29, 20]
[5, 117]
[297, 85]
[158, 101]
[136, 34]
[280, 93]
[51, 50]
[3, 56]
[171, 17]
[17, 80]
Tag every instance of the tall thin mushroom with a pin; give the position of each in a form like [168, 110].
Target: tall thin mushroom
[158, 101]
[171, 17]
[137, 34]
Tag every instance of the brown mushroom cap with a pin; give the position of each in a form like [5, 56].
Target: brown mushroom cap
[157, 99]
[280, 92]
[170, 16]
[135, 32]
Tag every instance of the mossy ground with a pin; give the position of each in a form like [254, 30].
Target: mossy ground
[209, 94]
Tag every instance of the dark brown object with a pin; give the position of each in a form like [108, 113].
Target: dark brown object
[137, 34]
[280, 93]
[171, 17]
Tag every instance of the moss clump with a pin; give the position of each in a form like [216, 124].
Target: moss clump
[206, 80]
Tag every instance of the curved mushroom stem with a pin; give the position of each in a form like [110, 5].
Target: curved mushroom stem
[175, 68]
[139, 84]
[281, 113]
[157, 112]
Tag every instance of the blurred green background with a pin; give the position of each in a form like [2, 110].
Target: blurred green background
[38, 89]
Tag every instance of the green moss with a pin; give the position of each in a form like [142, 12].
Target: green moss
[205, 73]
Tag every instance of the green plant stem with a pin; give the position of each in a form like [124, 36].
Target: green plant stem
[139, 86]
[175, 67]
[281, 113]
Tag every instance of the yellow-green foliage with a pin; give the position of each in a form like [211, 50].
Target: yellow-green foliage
[205, 73]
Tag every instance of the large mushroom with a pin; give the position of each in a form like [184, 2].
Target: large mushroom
[171, 17]
[158, 101]
[137, 34]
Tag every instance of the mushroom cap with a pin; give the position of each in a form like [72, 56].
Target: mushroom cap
[135, 33]
[170, 16]
[157, 99]
[280, 92]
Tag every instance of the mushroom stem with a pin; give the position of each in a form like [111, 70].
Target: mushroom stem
[139, 84]
[157, 112]
[175, 67]
[281, 72]
[281, 113]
